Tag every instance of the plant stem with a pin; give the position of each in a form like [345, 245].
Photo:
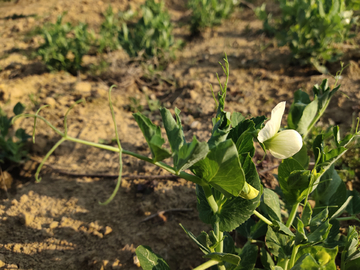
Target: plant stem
[293, 256]
[46, 157]
[206, 265]
[292, 215]
[268, 222]
[186, 176]
[220, 247]
[248, 192]
[210, 198]
[219, 236]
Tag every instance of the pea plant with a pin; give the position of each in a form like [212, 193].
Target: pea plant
[229, 192]
[207, 13]
[151, 35]
[12, 143]
[64, 46]
[310, 28]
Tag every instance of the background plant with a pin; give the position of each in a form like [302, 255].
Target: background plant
[353, 4]
[207, 13]
[310, 28]
[110, 28]
[229, 191]
[151, 35]
[12, 143]
[64, 45]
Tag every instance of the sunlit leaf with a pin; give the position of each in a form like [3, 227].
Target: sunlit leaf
[152, 134]
[149, 260]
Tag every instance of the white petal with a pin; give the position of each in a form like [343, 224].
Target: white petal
[285, 144]
[273, 125]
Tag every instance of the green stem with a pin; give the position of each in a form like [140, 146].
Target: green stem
[120, 151]
[220, 247]
[35, 118]
[210, 198]
[219, 236]
[248, 192]
[206, 265]
[285, 264]
[186, 176]
[40, 117]
[293, 256]
[268, 222]
[46, 157]
[292, 215]
[218, 233]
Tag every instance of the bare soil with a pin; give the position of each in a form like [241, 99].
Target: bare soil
[58, 223]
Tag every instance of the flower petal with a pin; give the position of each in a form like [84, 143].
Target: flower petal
[273, 125]
[285, 144]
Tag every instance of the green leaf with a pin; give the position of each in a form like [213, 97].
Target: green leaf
[248, 257]
[271, 204]
[189, 154]
[307, 117]
[293, 180]
[307, 213]
[220, 130]
[319, 219]
[149, 260]
[281, 228]
[320, 234]
[341, 208]
[229, 245]
[173, 129]
[205, 212]
[351, 254]
[18, 108]
[252, 229]
[152, 134]
[222, 169]
[258, 121]
[353, 263]
[302, 157]
[5, 124]
[266, 259]
[331, 191]
[21, 134]
[223, 257]
[236, 118]
[242, 137]
[306, 262]
[323, 257]
[353, 207]
[335, 237]
[235, 210]
[300, 236]
[279, 244]
[301, 100]
[203, 242]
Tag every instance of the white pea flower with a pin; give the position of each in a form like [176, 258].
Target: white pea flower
[283, 144]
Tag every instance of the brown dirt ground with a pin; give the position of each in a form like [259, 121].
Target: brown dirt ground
[58, 223]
